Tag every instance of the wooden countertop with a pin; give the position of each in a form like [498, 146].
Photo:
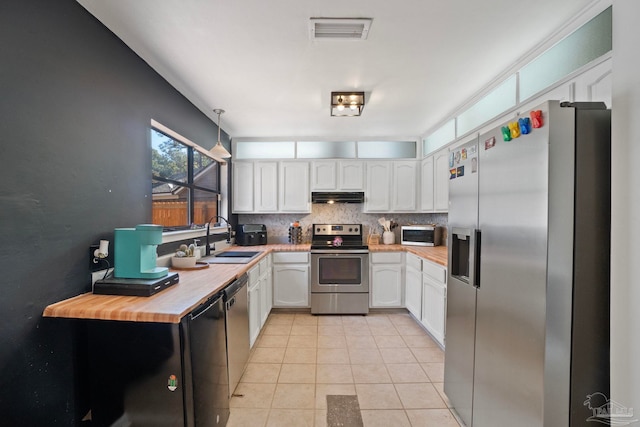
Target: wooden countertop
[437, 254]
[195, 286]
[167, 306]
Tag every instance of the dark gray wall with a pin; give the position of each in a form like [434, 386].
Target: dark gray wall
[75, 108]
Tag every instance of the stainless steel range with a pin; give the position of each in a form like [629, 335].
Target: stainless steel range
[339, 270]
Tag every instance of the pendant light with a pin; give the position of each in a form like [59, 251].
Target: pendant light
[218, 150]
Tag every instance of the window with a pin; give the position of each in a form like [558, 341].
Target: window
[185, 183]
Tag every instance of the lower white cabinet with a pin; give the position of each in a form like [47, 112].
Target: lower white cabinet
[259, 292]
[385, 279]
[291, 279]
[434, 300]
[413, 285]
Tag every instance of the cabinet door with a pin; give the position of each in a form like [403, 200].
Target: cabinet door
[386, 285]
[413, 292]
[351, 176]
[405, 181]
[254, 313]
[433, 307]
[441, 180]
[378, 187]
[242, 187]
[266, 187]
[426, 188]
[323, 176]
[294, 187]
[264, 306]
[291, 285]
[269, 286]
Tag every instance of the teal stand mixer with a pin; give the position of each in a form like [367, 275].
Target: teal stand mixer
[135, 253]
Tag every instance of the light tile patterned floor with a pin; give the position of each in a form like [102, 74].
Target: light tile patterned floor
[386, 359]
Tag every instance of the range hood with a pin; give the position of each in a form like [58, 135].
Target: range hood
[337, 197]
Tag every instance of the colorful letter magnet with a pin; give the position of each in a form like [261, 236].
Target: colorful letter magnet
[536, 118]
[506, 134]
[525, 125]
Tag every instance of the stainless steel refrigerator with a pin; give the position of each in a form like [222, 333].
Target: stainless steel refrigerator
[527, 332]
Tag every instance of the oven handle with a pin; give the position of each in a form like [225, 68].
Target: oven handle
[339, 251]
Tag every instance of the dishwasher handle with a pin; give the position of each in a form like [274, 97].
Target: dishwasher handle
[203, 308]
[231, 302]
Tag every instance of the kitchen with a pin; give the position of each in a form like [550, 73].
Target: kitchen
[88, 181]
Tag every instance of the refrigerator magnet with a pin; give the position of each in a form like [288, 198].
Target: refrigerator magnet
[458, 156]
[460, 171]
[452, 173]
[490, 143]
[451, 159]
[474, 164]
[463, 153]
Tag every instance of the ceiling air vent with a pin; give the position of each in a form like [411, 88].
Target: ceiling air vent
[339, 28]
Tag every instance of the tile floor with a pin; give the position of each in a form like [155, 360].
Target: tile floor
[386, 359]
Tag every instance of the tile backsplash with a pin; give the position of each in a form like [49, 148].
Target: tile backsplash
[278, 224]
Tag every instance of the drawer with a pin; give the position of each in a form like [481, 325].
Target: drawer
[414, 261]
[435, 271]
[264, 266]
[385, 257]
[291, 257]
[254, 275]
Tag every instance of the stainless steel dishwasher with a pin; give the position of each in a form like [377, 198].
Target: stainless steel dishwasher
[237, 322]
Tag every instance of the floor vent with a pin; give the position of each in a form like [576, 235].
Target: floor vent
[339, 28]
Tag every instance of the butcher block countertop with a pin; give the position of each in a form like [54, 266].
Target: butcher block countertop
[169, 305]
[195, 286]
[437, 254]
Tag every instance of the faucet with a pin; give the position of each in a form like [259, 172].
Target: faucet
[207, 249]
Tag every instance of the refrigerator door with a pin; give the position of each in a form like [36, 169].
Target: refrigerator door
[461, 293]
[510, 320]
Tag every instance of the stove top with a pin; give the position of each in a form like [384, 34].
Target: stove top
[337, 236]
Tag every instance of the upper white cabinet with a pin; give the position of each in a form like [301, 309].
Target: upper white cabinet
[392, 186]
[324, 175]
[266, 187]
[441, 180]
[427, 185]
[405, 184]
[242, 187]
[337, 175]
[351, 175]
[294, 187]
[377, 195]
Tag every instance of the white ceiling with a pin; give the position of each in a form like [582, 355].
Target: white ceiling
[254, 59]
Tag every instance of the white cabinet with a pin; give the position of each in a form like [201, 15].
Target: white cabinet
[427, 184]
[386, 279]
[350, 175]
[377, 196]
[243, 186]
[404, 189]
[260, 294]
[324, 175]
[255, 304]
[434, 299]
[441, 180]
[337, 175]
[255, 187]
[291, 279]
[265, 186]
[413, 285]
[294, 187]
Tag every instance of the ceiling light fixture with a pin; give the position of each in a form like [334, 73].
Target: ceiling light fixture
[340, 100]
[218, 150]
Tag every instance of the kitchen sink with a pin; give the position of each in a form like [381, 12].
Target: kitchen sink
[231, 257]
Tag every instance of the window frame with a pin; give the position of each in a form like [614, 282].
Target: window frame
[189, 185]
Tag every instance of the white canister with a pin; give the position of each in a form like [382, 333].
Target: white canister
[388, 238]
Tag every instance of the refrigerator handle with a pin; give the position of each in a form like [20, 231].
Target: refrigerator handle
[475, 261]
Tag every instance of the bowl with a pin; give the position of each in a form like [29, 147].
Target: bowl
[183, 262]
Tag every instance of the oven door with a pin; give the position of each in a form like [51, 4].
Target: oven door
[339, 271]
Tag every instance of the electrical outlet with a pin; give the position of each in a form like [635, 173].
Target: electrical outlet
[99, 264]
